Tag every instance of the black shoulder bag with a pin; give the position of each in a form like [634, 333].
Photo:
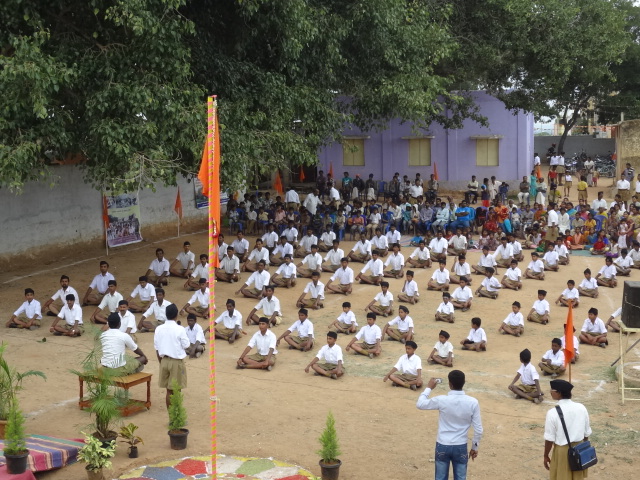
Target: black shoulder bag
[583, 455]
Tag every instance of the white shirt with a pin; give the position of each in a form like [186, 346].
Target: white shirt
[514, 320]
[440, 276]
[477, 336]
[328, 238]
[536, 266]
[491, 284]
[445, 308]
[259, 279]
[304, 329]
[552, 218]
[576, 419]
[291, 196]
[623, 262]
[110, 301]
[145, 293]
[443, 349]
[553, 160]
[517, 247]
[186, 259]
[379, 242]
[623, 184]
[158, 311]
[421, 254]
[348, 318]
[393, 236]
[528, 374]
[270, 239]
[374, 218]
[33, 309]
[264, 343]
[311, 203]
[202, 271]
[458, 412]
[557, 359]
[541, 307]
[487, 260]
[158, 267]
[343, 275]
[369, 334]
[315, 290]
[287, 248]
[409, 364]
[114, 344]
[307, 241]
[375, 266]
[269, 307]
[230, 264]
[596, 327]
[634, 254]
[330, 354]
[461, 269]
[334, 194]
[608, 271]
[458, 242]
[128, 320]
[571, 294]
[561, 250]
[438, 245]
[576, 344]
[201, 297]
[504, 252]
[287, 270]
[513, 274]
[403, 325]
[170, 340]
[62, 294]
[411, 288]
[551, 258]
[257, 255]
[462, 294]
[291, 234]
[396, 261]
[72, 315]
[384, 299]
[230, 321]
[195, 334]
[101, 282]
[363, 248]
[240, 246]
[222, 251]
[596, 204]
[591, 284]
[313, 261]
[333, 257]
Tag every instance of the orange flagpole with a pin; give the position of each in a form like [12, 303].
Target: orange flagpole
[569, 347]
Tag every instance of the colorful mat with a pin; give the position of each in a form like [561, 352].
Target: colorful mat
[229, 468]
[47, 453]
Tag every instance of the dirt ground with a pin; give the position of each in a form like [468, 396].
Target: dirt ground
[281, 413]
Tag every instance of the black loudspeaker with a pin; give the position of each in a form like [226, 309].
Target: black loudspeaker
[631, 305]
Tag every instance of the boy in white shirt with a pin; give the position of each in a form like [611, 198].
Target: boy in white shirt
[462, 296]
[147, 294]
[29, 314]
[529, 387]
[589, 286]
[504, 253]
[438, 247]
[327, 240]
[606, 277]
[552, 362]
[260, 278]
[384, 299]
[444, 312]
[346, 322]
[257, 254]
[408, 370]
[158, 270]
[550, 259]
[540, 311]
[490, 286]
[344, 276]
[108, 304]
[331, 353]
[623, 263]
[158, 309]
[231, 320]
[512, 277]
[270, 238]
[400, 328]
[371, 336]
[72, 315]
[442, 352]
[460, 268]
[634, 253]
[457, 244]
[313, 262]
[201, 271]
[127, 320]
[396, 262]
[306, 242]
[283, 248]
[304, 328]
[563, 252]
[486, 261]
[228, 271]
[440, 279]
[420, 258]
[184, 263]
[380, 243]
[270, 306]
[477, 338]
[196, 338]
[361, 251]
[377, 271]
[409, 293]
[516, 246]
[569, 293]
[514, 323]
[287, 273]
[201, 297]
[333, 258]
[57, 301]
[535, 269]
[315, 289]
[373, 222]
[264, 340]
[594, 331]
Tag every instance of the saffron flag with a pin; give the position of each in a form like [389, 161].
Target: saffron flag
[331, 169]
[435, 171]
[569, 347]
[277, 184]
[302, 177]
[178, 206]
[203, 174]
[105, 212]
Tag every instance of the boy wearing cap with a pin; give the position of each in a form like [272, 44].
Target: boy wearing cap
[264, 341]
[569, 294]
[444, 312]
[490, 286]
[540, 311]
[371, 336]
[344, 276]
[384, 299]
[408, 370]
[410, 293]
[331, 353]
[529, 387]
[535, 269]
[440, 278]
[486, 260]
[589, 285]
[477, 338]
[442, 352]
[303, 326]
[462, 295]
[401, 327]
[346, 322]
[512, 278]
[606, 277]
[514, 323]
[552, 362]
[594, 331]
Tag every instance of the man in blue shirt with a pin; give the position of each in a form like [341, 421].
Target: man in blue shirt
[463, 217]
[458, 413]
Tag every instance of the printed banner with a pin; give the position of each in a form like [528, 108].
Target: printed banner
[201, 200]
[122, 219]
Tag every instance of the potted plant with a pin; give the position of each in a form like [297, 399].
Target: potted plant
[177, 419]
[128, 432]
[96, 455]
[10, 383]
[329, 451]
[15, 447]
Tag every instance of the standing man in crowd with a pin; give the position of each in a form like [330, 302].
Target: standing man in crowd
[170, 341]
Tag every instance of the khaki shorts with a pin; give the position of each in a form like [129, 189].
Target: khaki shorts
[67, 327]
[345, 326]
[327, 367]
[527, 388]
[172, 369]
[395, 333]
[560, 168]
[201, 310]
[143, 304]
[256, 357]
[367, 346]
[132, 366]
[37, 322]
[298, 339]
[226, 332]
[405, 377]
[535, 317]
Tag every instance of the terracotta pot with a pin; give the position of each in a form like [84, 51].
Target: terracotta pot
[17, 464]
[330, 471]
[178, 439]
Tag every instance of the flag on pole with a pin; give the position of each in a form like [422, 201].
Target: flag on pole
[331, 169]
[105, 213]
[569, 347]
[435, 171]
[203, 174]
[178, 206]
[277, 184]
[209, 176]
[302, 177]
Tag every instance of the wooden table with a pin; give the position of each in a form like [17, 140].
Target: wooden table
[125, 383]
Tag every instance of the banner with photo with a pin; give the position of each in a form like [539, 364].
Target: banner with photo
[201, 200]
[122, 219]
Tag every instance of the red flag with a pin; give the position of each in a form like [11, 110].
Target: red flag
[435, 171]
[105, 212]
[331, 169]
[178, 206]
[203, 174]
[569, 347]
[302, 177]
[277, 184]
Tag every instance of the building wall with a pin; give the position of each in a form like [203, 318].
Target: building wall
[46, 220]
[575, 144]
[453, 151]
[628, 144]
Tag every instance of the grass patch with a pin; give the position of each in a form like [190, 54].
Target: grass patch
[612, 434]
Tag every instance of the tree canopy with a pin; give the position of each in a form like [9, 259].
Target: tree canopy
[123, 83]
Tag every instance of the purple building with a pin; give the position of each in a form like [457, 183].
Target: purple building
[503, 149]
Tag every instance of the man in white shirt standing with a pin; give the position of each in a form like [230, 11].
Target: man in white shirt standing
[114, 343]
[331, 353]
[264, 341]
[292, 199]
[184, 263]
[170, 341]
[407, 372]
[552, 223]
[623, 186]
[311, 202]
[458, 413]
[158, 270]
